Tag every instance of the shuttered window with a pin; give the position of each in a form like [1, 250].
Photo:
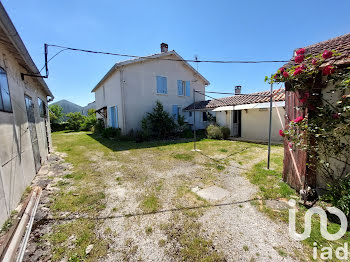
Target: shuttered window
[113, 116]
[176, 111]
[162, 85]
[188, 88]
[5, 99]
[183, 88]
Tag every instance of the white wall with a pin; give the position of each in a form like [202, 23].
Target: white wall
[140, 90]
[255, 124]
[16, 156]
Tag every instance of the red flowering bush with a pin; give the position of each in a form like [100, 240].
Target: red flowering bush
[281, 132]
[327, 54]
[300, 51]
[324, 131]
[299, 59]
[328, 70]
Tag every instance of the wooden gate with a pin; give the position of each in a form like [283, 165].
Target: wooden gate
[32, 130]
[294, 163]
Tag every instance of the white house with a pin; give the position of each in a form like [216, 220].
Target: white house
[24, 125]
[131, 88]
[246, 115]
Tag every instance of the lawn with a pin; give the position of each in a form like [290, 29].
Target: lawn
[158, 176]
[141, 194]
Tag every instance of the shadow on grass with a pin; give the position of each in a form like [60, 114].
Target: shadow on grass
[119, 145]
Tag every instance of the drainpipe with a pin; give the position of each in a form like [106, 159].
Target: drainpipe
[123, 100]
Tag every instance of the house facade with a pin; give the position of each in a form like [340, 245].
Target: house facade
[246, 115]
[131, 88]
[25, 139]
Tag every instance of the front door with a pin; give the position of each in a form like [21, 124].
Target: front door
[236, 123]
[32, 130]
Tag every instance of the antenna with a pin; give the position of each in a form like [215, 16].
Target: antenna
[196, 59]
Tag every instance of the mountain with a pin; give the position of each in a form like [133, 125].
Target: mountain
[68, 106]
[89, 106]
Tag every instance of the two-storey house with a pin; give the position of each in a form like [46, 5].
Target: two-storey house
[131, 88]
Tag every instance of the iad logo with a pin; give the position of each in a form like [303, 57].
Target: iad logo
[323, 217]
[326, 252]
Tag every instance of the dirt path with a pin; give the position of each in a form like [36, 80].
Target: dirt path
[241, 231]
[146, 209]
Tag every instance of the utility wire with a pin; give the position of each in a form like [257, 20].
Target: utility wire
[169, 59]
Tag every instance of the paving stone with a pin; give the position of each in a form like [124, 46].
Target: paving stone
[213, 193]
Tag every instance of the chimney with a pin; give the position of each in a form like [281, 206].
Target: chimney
[238, 90]
[164, 47]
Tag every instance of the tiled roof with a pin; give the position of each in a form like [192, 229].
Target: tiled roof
[340, 44]
[259, 97]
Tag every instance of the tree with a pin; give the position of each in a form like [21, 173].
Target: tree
[75, 121]
[158, 123]
[56, 115]
[89, 120]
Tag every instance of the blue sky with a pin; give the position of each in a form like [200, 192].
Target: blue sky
[219, 30]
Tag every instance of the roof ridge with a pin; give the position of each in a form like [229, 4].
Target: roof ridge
[328, 40]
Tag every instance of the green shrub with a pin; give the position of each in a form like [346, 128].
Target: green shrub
[225, 132]
[59, 126]
[158, 123]
[338, 194]
[214, 132]
[111, 132]
[99, 126]
[89, 121]
[75, 121]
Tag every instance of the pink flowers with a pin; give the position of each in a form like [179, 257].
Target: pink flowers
[297, 71]
[327, 54]
[285, 74]
[281, 132]
[299, 58]
[300, 51]
[336, 116]
[328, 70]
[298, 119]
[281, 69]
[314, 61]
[305, 97]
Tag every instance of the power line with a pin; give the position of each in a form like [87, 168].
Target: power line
[169, 59]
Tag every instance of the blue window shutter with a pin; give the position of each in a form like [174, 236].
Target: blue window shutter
[188, 88]
[159, 84]
[165, 87]
[116, 117]
[110, 117]
[175, 112]
[113, 116]
[179, 88]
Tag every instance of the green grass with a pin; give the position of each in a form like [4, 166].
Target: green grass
[99, 162]
[150, 203]
[271, 186]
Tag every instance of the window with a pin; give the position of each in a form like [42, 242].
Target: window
[176, 111]
[205, 116]
[42, 108]
[162, 85]
[183, 88]
[190, 114]
[5, 99]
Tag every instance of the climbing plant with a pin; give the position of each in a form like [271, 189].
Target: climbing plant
[323, 130]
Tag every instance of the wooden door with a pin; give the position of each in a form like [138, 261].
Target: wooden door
[32, 130]
[236, 123]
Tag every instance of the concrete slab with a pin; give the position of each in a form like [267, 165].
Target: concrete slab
[213, 193]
